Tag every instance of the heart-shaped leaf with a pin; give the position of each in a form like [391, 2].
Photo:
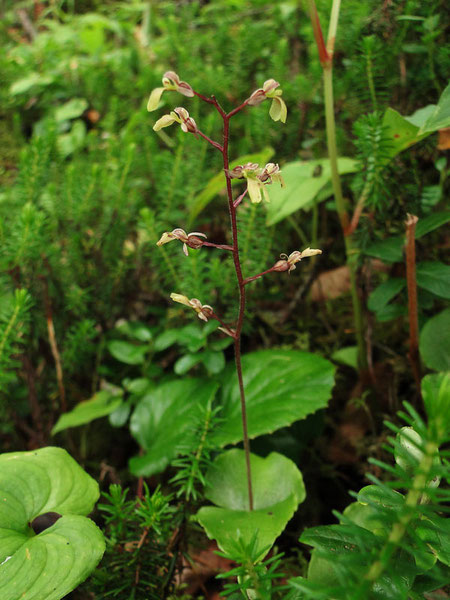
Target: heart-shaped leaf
[166, 420]
[281, 386]
[52, 563]
[277, 491]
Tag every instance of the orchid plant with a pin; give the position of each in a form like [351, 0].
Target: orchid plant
[256, 179]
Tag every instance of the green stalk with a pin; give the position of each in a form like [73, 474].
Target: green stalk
[326, 60]
[350, 251]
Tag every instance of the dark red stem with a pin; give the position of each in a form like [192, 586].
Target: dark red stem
[248, 279]
[240, 279]
[219, 246]
[208, 139]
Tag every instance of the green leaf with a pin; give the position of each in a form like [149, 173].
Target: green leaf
[400, 132]
[165, 421]
[434, 277]
[281, 386]
[213, 361]
[186, 362]
[100, 405]
[26, 83]
[440, 117]
[127, 352]
[277, 491]
[165, 339]
[391, 311]
[419, 117]
[346, 356]
[217, 183]
[435, 532]
[52, 563]
[436, 398]
[304, 180]
[384, 293]
[431, 223]
[68, 143]
[135, 330]
[71, 110]
[434, 342]
[119, 417]
[389, 250]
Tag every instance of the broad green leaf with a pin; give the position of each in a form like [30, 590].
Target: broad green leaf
[165, 421]
[384, 293]
[304, 180]
[100, 405]
[186, 362]
[337, 538]
[431, 223]
[400, 132]
[135, 330]
[127, 352]
[391, 311]
[71, 110]
[217, 183]
[436, 398]
[346, 356]
[419, 117]
[440, 117]
[281, 386]
[277, 491]
[214, 361]
[26, 83]
[434, 342]
[389, 250]
[119, 417]
[165, 340]
[434, 277]
[436, 533]
[74, 140]
[52, 563]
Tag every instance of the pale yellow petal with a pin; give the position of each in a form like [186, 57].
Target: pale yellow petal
[164, 121]
[254, 190]
[181, 299]
[155, 97]
[166, 237]
[278, 110]
[310, 252]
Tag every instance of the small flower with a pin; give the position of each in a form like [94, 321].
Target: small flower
[171, 82]
[204, 311]
[189, 239]
[178, 115]
[241, 171]
[278, 110]
[257, 179]
[271, 173]
[287, 263]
